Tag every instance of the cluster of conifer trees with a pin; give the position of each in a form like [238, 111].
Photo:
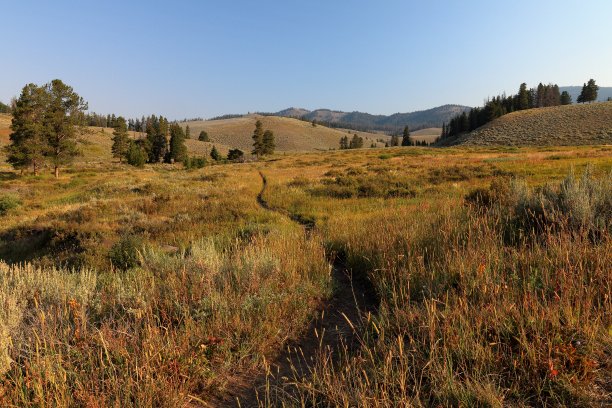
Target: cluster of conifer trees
[45, 124]
[263, 141]
[540, 97]
[356, 142]
[164, 142]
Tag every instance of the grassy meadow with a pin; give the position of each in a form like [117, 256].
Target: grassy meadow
[166, 287]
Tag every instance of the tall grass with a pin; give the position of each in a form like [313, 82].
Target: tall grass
[468, 318]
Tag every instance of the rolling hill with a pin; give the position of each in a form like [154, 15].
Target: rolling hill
[584, 124]
[420, 119]
[290, 134]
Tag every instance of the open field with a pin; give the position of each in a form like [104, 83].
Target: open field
[581, 124]
[428, 135]
[290, 134]
[165, 287]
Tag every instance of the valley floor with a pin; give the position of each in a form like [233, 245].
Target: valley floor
[374, 277]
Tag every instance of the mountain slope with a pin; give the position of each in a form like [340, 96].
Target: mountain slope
[584, 124]
[433, 117]
[290, 134]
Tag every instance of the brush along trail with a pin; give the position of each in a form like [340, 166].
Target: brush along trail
[334, 326]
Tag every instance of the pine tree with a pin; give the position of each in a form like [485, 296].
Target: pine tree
[268, 144]
[121, 140]
[203, 137]
[523, 97]
[187, 132]
[395, 140]
[157, 144]
[62, 117]
[356, 142]
[235, 155]
[214, 154]
[566, 98]
[135, 155]
[178, 150]
[591, 91]
[344, 143]
[28, 144]
[258, 139]
[406, 137]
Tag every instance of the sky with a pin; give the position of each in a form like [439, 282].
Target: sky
[186, 59]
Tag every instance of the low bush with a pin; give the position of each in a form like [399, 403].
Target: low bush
[8, 202]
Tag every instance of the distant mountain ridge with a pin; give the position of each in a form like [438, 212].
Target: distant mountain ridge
[428, 118]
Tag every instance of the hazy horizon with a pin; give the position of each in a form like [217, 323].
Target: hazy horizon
[196, 60]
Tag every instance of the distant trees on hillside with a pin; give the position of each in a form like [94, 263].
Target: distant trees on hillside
[589, 92]
[44, 127]
[539, 97]
[4, 108]
[406, 137]
[263, 141]
[356, 142]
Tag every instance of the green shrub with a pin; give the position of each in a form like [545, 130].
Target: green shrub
[8, 202]
[136, 156]
[125, 254]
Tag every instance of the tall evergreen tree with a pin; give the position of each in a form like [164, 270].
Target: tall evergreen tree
[28, 144]
[523, 97]
[268, 144]
[258, 139]
[121, 140]
[566, 98]
[178, 150]
[62, 117]
[187, 132]
[214, 154]
[406, 137]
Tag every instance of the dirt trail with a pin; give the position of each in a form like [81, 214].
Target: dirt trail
[331, 328]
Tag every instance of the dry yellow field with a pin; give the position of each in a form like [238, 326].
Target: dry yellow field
[428, 135]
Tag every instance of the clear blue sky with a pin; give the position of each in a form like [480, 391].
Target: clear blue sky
[206, 58]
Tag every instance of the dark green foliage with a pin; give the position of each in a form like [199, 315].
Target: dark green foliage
[344, 142]
[125, 253]
[194, 162]
[406, 137]
[214, 154]
[62, 116]
[314, 123]
[235, 155]
[178, 150]
[395, 140]
[28, 145]
[136, 156]
[257, 137]
[268, 143]
[203, 137]
[566, 98]
[187, 132]
[589, 92]
[8, 202]
[121, 140]
[44, 126]
[157, 138]
[356, 142]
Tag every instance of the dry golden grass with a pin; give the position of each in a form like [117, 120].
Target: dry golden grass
[290, 134]
[428, 135]
[583, 124]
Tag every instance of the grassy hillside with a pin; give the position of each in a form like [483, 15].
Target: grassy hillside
[290, 134]
[96, 143]
[428, 135]
[559, 125]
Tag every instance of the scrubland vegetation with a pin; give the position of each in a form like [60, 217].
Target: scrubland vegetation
[486, 272]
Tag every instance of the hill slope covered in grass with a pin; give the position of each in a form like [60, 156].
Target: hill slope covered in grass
[585, 124]
[290, 134]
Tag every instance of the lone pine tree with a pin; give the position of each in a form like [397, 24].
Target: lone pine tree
[257, 137]
[268, 144]
[121, 140]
